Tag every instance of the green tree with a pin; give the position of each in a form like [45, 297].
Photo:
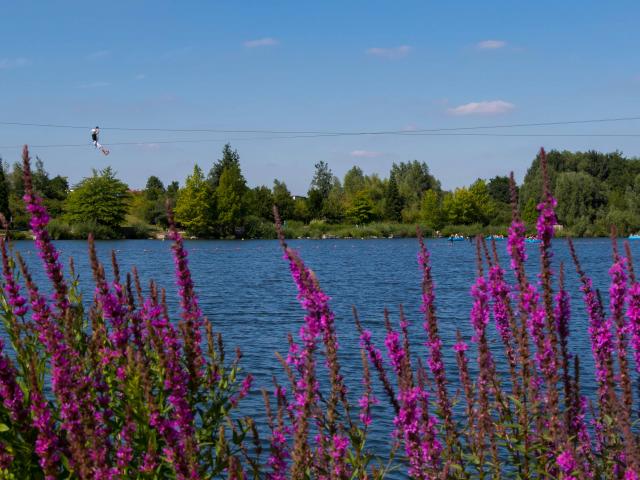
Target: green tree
[393, 201]
[579, 195]
[322, 179]
[484, 205]
[229, 200]
[431, 210]
[413, 178]
[499, 190]
[460, 207]
[361, 209]
[333, 206]
[354, 182]
[154, 190]
[283, 200]
[259, 202]
[195, 205]
[314, 203]
[100, 198]
[230, 158]
[172, 190]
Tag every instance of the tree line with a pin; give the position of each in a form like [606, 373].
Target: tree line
[594, 191]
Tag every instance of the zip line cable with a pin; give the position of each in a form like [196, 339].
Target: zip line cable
[297, 134]
[456, 134]
[327, 133]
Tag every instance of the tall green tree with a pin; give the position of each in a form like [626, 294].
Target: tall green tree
[413, 179]
[322, 179]
[361, 209]
[230, 158]
[154, 190]
[195, 207]
[431, 210]
[100, 198]
[354, 182]
[283, 200]
[229, 199]
[393, 201]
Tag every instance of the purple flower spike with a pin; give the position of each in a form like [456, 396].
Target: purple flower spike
[46, 250]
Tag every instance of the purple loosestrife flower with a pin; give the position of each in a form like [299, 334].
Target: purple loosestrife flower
[178, 432]
[515, 244]
[375, 357]
[124, 455]
[480, 309]
[47, 252]
[545, 356]
[500, 293]
[113, 306]
[633, 315]
[546, 220]
[617, 299]
[278, 458]
[47, 442]
[395, 351]
[10, 391]
[567, 464]
[630, 474]
[244, 390]
[17, 302]
[436, 364]
[417, 429]
[337, 454]
[600, 331]
[192, 320]
[365, 403]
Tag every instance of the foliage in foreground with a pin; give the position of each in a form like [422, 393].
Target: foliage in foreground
[134, 395]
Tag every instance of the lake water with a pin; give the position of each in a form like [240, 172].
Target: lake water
[246, 290]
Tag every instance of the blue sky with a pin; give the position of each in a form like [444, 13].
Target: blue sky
[321, 66]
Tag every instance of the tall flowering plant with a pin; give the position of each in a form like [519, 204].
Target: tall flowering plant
[118, 389]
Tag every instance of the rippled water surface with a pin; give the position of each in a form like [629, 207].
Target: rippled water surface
[245, 288]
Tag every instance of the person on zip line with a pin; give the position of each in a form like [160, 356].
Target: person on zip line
[95, 133]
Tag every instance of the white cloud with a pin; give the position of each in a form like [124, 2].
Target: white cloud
[98, 84]
[8, 63]
[492, 107]
[390, 53]
[98, 55]
[491, 44]
[261, 42]
[365, 154]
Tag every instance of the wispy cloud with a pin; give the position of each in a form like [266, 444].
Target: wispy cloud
[98, 84]
[261, 42]
[9, 63]
[492, 107]
[491, 44]
[390, 53]
[98, 54]
[365, 154]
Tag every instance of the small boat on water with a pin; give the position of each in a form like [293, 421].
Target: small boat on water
[494, 237]
[634, 236]
[456, 238]
[532, 240]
